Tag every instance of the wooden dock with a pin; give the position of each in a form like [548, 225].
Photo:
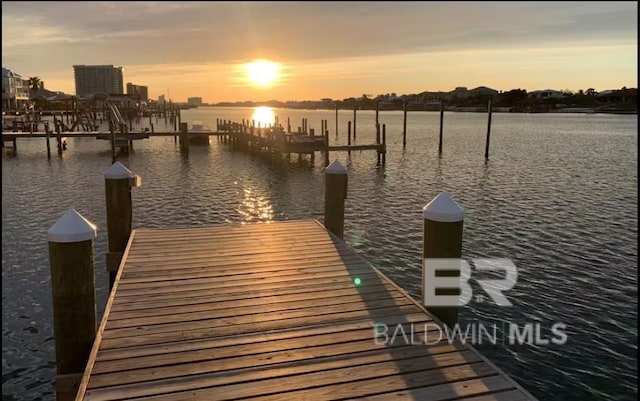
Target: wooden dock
[277, 311]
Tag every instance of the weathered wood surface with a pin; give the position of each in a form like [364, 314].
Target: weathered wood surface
[278, 311]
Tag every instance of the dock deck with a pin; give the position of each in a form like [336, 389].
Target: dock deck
[277, 311]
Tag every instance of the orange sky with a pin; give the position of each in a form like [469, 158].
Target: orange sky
[184, 49]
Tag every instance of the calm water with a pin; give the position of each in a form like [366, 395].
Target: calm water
[558, 197]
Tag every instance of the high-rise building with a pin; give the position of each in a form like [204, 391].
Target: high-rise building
[141, 91]
[194, 101]
[94, 79]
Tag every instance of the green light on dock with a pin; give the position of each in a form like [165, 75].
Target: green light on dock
[357, 281]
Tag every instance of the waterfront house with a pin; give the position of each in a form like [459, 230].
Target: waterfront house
[15, 90]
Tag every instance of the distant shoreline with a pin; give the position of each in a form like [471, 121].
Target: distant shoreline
[569, 110]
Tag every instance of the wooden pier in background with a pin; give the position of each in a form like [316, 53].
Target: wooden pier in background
[278, 140]
[275, 311]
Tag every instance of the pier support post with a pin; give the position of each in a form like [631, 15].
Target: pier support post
[184, 138]
[441, 123]
[118, 182]
[404, 126]
[59, 139]
[48, 132]
[326, 147]
[384, 144]
[355, 107]
[441, 258]
[486, 147]
[336, 120]
[349, 137]
[73, 293]
[335, 193]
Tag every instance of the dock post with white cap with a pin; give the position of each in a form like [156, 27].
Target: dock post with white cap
[335, 192]
[118, 182]
[442, 263]
[73, 293]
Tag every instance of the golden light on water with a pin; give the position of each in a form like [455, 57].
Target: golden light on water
[262, 73]
[263, 116]
[254, 207]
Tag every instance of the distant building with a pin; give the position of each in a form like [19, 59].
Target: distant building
[483, 91]
[141, 91]
[15, 90]
[547, 94]
[98, 79]
[460, 92]
[194, 101]
[161, 99]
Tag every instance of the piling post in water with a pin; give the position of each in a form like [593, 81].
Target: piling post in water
[441, 124]
[326, 146]
[335, 193]
[59, 139]
[184, 138]
[349, 136]
[336, 120]
[378, 143]
[355, 106]
[73, 294]
[384, 144]
[441, 257]
[404, 126]
[377, 111]
[118, 182]
[48, 132]
[288, 125]
[486, 148]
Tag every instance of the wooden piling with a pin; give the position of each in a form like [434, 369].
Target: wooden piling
[349, 136]
[384, 144]
[378, 143]
[486, 147]
[336, 120]
[404, 126]
[73, 294]
[334, 196]
[184, 138]
[48, 132]
[326, 144]
[59, 139]
[118, 181]
[354, 118]
[441, 124]
[441, 254]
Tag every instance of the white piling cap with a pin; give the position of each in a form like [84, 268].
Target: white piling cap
[118, 171]
[72, 227]
[335, 168]
[443, 209]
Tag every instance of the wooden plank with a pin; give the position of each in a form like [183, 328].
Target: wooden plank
[153, 308]
[494, 388]
[241, 293]
[369, 379]
[228, 330]
[229, 318]
[186, 312]
[325, 372]
[285, 349]
[247, 278]
[263, 336]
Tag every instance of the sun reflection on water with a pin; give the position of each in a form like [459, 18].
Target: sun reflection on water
[255, 207]
[263, 116]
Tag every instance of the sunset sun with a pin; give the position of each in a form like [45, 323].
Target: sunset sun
[262, 73]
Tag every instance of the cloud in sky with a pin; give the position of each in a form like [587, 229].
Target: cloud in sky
[333, 36]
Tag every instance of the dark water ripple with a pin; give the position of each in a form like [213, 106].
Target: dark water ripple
[558, 197]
